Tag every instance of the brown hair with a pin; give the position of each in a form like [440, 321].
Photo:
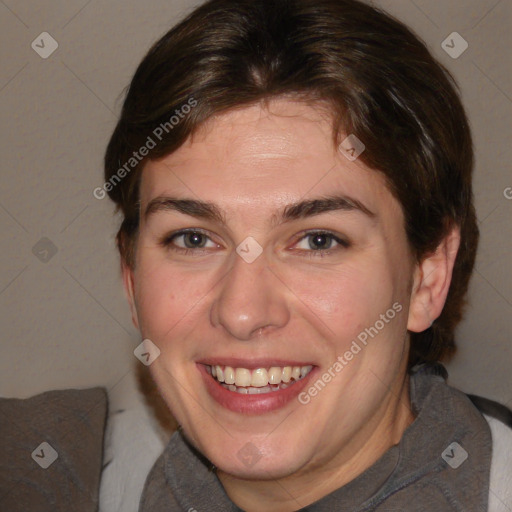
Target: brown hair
[379, 80]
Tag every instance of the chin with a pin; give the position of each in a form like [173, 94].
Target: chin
[258, 457]
[264, 468]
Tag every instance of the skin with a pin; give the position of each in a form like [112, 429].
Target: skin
[285, 305]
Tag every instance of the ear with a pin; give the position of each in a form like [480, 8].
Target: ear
[432, 280]
[128, 281]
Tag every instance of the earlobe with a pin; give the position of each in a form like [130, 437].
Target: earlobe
[128, 282]
[431, 283]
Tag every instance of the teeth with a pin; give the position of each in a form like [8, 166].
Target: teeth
[229, 375]
[254, 391]
[243, 377]
[259, 380]
[304, 370]
[274, 375]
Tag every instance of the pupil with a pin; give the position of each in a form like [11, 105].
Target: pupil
[195, 239]
[319, 240]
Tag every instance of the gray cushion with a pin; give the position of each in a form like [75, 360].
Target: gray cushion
[51, 448]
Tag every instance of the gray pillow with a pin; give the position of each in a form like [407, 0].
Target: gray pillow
[51, 448]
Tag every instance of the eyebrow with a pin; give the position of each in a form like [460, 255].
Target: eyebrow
[299, 210]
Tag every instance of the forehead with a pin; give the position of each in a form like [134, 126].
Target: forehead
[264, 157]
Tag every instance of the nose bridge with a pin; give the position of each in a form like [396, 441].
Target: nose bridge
[249, 298]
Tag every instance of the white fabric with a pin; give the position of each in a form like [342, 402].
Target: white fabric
[133, 442]
[500, 488]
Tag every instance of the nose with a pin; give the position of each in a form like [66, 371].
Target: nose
[250, 298]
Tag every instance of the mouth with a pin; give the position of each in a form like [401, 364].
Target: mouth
[255, 390]
[259, 380]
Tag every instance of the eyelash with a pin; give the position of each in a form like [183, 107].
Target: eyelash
[319, 253]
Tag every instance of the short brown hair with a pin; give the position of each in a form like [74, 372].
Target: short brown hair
[379, 80]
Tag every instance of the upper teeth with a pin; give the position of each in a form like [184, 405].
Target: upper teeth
[259, 377]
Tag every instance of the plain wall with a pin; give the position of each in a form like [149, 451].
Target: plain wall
[65, 322]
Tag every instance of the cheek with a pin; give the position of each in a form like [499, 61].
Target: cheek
[345, 299]
[167, 299]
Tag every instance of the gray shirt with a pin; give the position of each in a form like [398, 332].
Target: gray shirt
[442, 463]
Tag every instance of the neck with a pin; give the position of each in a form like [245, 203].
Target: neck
[298, 490]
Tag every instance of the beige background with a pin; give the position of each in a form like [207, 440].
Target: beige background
[64, 321]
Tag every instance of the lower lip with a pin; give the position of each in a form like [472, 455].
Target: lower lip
[252, 404]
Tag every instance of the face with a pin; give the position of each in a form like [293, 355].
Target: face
[301, 310]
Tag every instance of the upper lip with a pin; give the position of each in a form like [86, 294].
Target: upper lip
[252, 363]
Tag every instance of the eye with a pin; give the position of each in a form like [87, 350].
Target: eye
[314, 243]
[191, 241]
[320, 243]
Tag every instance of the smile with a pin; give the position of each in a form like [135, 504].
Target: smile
[258, 380]
[260, 389]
